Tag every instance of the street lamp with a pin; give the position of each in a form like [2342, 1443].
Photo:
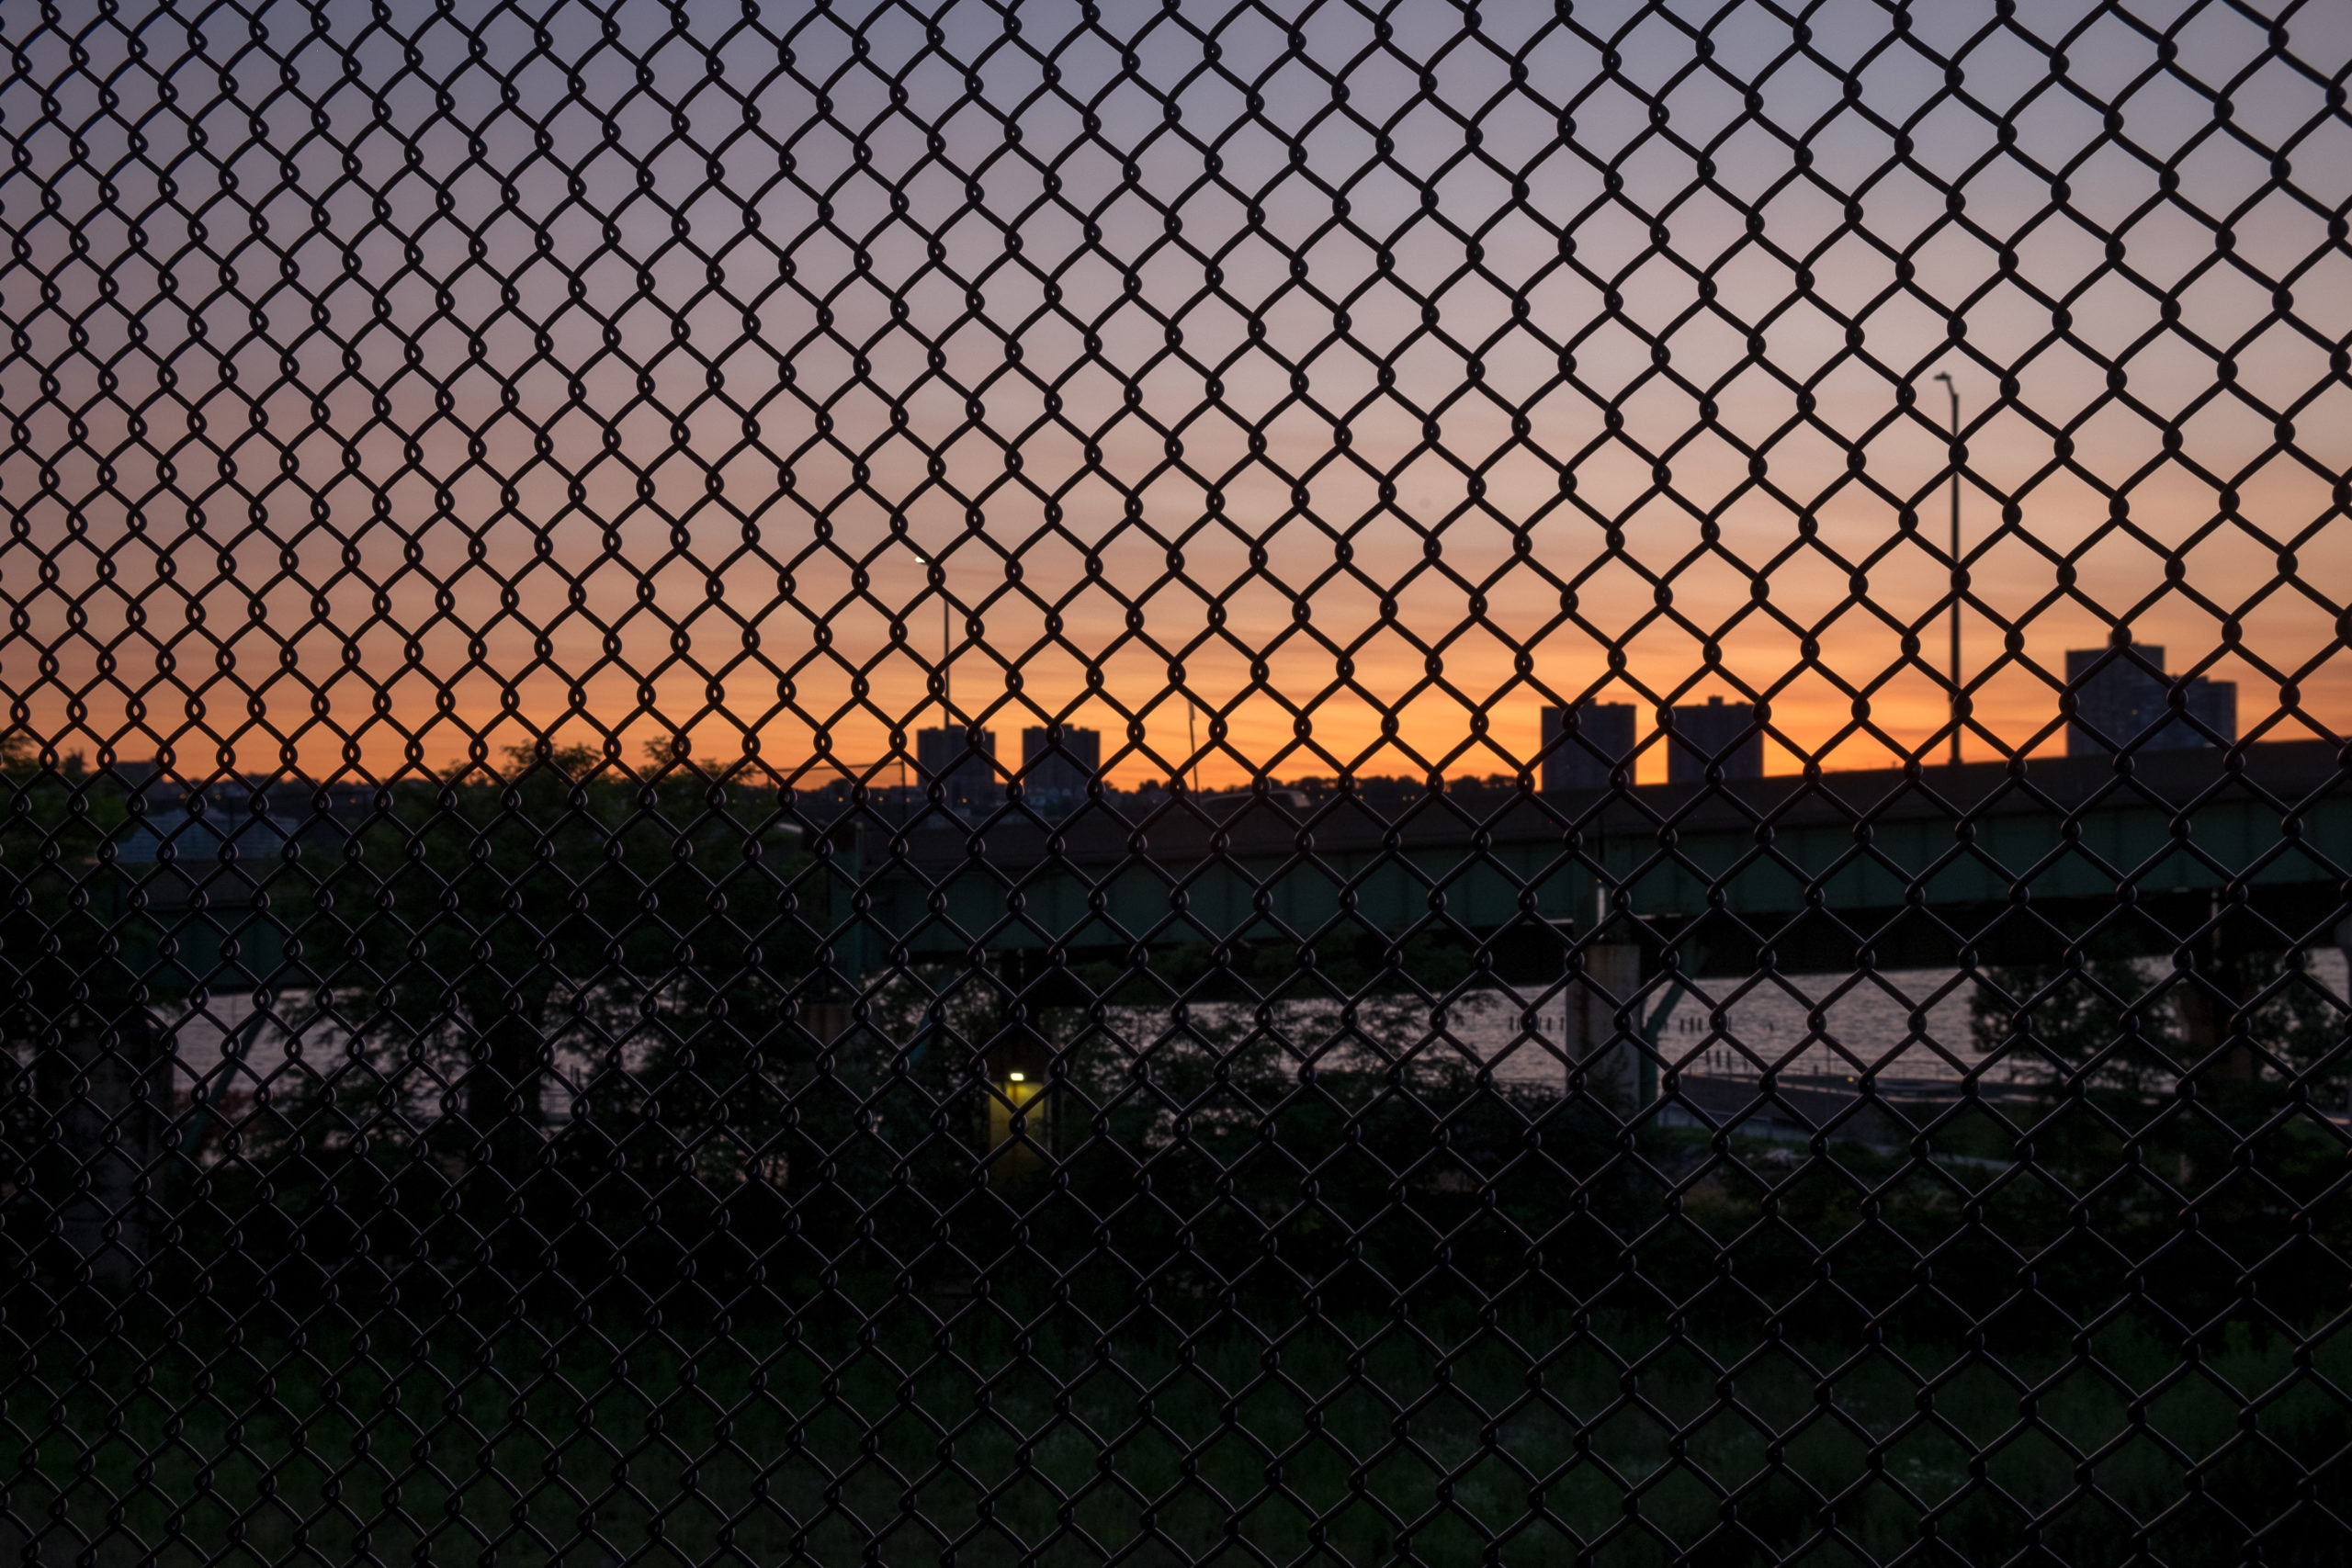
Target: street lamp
[1945, 376]
[947, 680]
[1192, 737]
[947, 641]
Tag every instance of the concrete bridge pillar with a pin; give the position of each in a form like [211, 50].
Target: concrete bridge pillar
[105, 1081]
[2344, 945]
[1604, 1061]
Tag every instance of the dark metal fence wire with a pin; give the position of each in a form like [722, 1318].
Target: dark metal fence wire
[885, 783]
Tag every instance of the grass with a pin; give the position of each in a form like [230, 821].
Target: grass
[943, 1431]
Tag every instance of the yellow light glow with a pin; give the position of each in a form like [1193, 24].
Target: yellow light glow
[1018, 1077]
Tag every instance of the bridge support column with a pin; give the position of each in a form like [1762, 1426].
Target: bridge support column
[829, 1014]
[105, 1081]
[1606, 1060]
[2344, 946]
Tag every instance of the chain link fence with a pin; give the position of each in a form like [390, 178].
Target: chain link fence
[1212, 783]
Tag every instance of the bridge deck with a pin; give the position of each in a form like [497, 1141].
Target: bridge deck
[1922, 859]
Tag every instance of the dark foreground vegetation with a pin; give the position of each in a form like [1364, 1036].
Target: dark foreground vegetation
[926, 1429]
[583, 1226]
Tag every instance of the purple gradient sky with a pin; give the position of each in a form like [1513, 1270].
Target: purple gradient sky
[392, 395]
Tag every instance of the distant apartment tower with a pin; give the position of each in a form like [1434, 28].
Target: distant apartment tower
[965, 761]
[1715, 733]
[1583, 743]
[1059, 762]
[2127, 701]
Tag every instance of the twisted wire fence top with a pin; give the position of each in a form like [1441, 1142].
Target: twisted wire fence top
[1233, 781]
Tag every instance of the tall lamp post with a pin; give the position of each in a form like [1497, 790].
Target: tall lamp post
[1193, 736]
[946, 643]
[1945, 376]
[946, 686]
[935, 1015]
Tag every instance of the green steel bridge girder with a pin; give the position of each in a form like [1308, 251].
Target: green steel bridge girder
[1262, 874]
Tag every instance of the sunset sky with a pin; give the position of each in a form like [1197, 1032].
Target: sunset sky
[467, 386]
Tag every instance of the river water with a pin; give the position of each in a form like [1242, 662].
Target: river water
[1911, 1027]
[1819, 1026]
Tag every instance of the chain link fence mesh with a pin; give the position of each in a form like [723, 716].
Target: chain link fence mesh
[1209, 783]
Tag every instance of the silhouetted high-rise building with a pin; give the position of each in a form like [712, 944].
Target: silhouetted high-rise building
[965, 760]
[1057, 763]
[1581, 744]
[2128, 700]
[1715, 733]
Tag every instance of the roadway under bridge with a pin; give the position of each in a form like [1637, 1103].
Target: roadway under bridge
[1984, 863]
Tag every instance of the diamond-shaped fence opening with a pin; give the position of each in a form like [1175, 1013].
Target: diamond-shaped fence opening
[1143, 783]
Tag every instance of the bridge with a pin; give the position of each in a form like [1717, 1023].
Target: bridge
[1985, 861]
